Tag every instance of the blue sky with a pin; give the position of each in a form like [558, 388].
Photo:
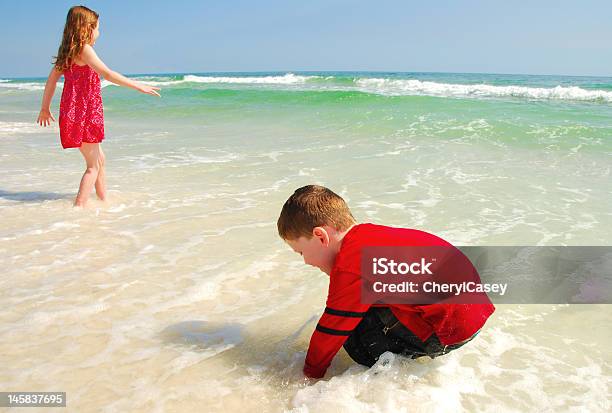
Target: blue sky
[531, 37]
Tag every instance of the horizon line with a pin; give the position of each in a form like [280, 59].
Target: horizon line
[327, 71]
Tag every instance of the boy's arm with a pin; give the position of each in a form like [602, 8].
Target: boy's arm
[45, 116]
[90, 57]
[343, 313]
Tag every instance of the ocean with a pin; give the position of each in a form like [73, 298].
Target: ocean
[178, 295]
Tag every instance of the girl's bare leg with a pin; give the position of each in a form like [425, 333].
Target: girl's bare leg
[101, 181]
[91, 153]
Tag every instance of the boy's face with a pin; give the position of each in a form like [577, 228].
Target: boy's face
[315, 250]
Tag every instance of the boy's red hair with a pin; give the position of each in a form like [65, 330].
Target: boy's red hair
[313, 206]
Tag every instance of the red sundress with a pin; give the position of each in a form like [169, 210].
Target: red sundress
[81, 116]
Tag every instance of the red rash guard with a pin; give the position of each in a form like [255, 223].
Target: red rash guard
[452, 323]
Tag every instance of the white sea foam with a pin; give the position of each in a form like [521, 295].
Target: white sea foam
[29, 86]
[398, 87]
[286, 79]
[382, 86]
[153, 82]
[182, 157]
[36, 86]
[417, 87]
[18, 128]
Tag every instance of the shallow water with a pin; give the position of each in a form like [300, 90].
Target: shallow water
[177, 294]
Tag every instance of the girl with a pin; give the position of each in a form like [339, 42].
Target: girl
[81, 118]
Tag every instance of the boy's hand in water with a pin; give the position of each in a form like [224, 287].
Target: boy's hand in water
[308, 381]
[45, 117]
[149, 90]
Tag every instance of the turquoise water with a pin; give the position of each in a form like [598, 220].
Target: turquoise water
[521, 111]
[179, 289]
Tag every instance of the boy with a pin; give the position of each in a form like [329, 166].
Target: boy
[317, 224]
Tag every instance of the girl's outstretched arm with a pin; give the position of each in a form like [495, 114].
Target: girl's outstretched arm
[45, 117]
[90, 57]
